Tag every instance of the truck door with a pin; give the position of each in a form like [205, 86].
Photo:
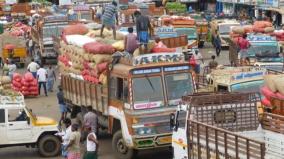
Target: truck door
[18, 128]
[3, 127]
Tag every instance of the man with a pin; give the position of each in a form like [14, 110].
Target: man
[218, 44]
[91, 119]
[11, 68]
[66, 136]
[244, 44]
[73, 146]
[198, 58]
[30, 44]
[92, 144]
[51, 77]
[62, 104]
[213, 64]
[42, 78]
[109, 17]
[32, 67]
[142, 27]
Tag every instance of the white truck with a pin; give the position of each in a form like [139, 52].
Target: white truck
[226, 126]
[20, 127]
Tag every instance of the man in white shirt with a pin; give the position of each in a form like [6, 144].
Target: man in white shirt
[30, 44]
[32, 67]
[42, 79]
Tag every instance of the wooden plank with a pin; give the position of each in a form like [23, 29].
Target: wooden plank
[88, 94]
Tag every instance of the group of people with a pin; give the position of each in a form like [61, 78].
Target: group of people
[76, 133]
[45, 77]
[109, 19]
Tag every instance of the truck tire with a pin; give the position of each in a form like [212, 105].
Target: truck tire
[49, 146]
[119, 147]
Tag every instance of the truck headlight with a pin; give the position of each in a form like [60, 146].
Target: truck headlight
[145, 131]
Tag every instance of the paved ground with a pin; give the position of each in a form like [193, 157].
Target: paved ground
[47, 106]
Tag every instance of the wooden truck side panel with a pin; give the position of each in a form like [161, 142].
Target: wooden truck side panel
[83, 93]
[175, 42]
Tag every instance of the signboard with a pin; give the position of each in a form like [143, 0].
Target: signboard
[148, 105]
[176, 68]
[158, 58]
[261, 38]
[165, 32]
[244, 75]
[11, 1]
[146, 71]
[268, 3]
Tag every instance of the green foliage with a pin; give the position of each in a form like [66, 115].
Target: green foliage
[176, 7]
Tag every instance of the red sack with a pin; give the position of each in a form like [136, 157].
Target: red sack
[16, 84]
[262, 24]
[279, 95]
[17, 77]
[267, 92]
[79, 29]
[248, 29]
[28, 77]
[25, 93]
[18, 89]
[33, 89]
[258, 30]
[24, 88]
[25, 83]
[102, 67]
[33, 83]
[85, 72]
[192, 61]
[266, 102]
[9, 46]
[159, 50]
[98, 48]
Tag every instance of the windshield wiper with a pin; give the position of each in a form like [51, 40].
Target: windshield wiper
[150, 83]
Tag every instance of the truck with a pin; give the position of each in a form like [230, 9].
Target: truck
[19, 52]
[223, 28]
[232, 79]
[19, 126]
[226, 125]
[202, 26]
[42, 34]
[139, 96]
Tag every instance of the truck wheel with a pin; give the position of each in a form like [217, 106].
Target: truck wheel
[121, 150]
[49, 146]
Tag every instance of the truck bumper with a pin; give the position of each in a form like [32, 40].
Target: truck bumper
[146, 142]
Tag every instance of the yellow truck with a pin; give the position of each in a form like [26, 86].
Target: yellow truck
[19, 53]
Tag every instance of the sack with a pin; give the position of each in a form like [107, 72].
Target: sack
[79, 29]
[119, 45]
[238, 30]
[262, 24]
[267, 92]
[28, 77]
[101, 58]
[5, 79]
[16, 84]
[269, 82]
[78, 40]
[102, 67]
[192, 61]
[258, 30]
[17, 77]
[268, 29]
[248, 29]
[265, 102]
[160, 49]
[98, 48]
[279, 83]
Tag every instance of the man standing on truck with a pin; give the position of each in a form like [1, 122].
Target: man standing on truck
[32, 67]
[142, 27]
[109, 17]
[42, 78]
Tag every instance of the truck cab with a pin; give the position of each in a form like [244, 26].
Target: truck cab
[234, 79]
[224, 28]
[19, 126]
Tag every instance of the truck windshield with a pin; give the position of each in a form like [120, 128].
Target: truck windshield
[178, 85]
[247, 87]
[261, 48]
[225, 29]
[147, 92]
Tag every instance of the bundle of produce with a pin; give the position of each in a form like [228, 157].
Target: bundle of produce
[29, 85]
[78, 29]
[262, 27]
[5, 82]
[16, 82]
[78, 40]
[98, 48]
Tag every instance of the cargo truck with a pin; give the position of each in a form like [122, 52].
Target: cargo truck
[225, 126]
[42, 34]
[135, 104]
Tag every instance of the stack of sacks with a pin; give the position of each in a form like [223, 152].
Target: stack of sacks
[238, 31]
[88, 62]
[262, 27]
[162, 48]
[77, 29]
[5, 82]
[78, 40]
[273, 87]
[19, 29]
[27, 84]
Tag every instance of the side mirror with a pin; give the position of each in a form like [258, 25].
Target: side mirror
[172, 121]
[28, 120]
